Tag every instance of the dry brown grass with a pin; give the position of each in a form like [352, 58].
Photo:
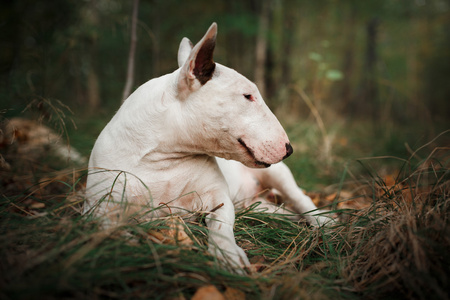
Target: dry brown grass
[398, 245]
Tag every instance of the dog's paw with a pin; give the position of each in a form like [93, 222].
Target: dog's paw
[232, 255]
[319, 219]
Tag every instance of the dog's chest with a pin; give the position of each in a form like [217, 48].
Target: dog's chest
[186, 183]
[242, 183]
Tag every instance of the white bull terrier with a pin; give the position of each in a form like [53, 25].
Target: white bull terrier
[160, 152]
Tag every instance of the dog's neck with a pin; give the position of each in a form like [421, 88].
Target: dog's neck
[157, 121]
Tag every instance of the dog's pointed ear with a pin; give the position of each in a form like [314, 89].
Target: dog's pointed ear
[199, 65]
[184, 50]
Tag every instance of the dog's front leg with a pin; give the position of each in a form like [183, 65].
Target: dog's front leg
[279, 176]
[222, 244]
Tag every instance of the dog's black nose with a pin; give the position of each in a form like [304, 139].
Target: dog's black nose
[289, 150]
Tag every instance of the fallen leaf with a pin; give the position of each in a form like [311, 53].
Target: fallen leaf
[234, 294]
[315, 197]
[156, 237]
[258, 263]
[331, 197]
[176, 231]
[343, 141]
[389, 180]
[345, 195]
[208, 292]
[37, 205]
[175, 234]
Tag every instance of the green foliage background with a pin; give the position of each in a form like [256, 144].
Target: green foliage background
[53, 49]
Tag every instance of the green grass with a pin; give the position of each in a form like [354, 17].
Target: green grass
[396, 248]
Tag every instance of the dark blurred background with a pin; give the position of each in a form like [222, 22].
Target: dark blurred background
[380, 63]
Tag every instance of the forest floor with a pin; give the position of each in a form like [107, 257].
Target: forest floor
[391, 240]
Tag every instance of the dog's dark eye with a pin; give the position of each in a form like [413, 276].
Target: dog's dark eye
[249, 97]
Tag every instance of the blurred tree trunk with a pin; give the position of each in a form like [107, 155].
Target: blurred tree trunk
[93, 86]
[10, 40]
[285, 77]
[93, 89]
[367, 104]
[131, 56]
[156, 38]
[261, 47]
[238, 49]
[278, 66]
[346, 97]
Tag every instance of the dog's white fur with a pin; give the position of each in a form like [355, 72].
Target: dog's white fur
[161, 150]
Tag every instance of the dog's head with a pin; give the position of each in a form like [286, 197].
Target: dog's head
[231, 118]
